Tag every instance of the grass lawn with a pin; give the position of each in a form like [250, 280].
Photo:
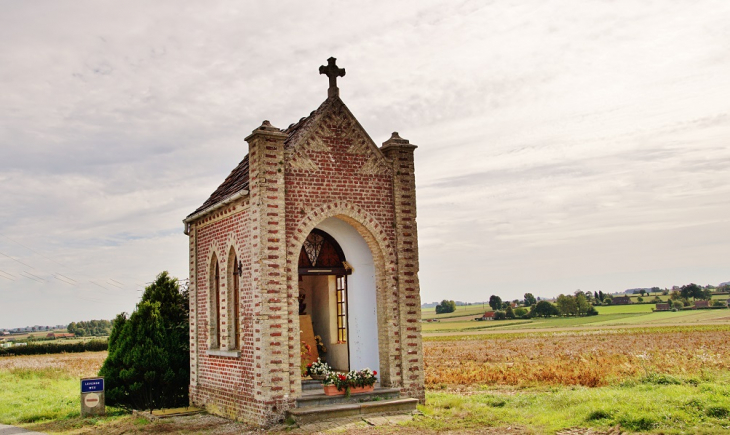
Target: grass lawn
[655, 404]
[472, 325]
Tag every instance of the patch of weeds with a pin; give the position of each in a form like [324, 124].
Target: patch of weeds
[492, 401]
[694, 404]
[141, 421]
[44, 373]
[637, 424]
[599, 414]
[290, 421]
[717, 411]
[661, 379]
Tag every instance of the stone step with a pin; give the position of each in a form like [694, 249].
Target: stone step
[311, 384]
[316, 397]
[326, 412]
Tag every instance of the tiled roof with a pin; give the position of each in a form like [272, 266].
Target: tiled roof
[299, 129]
[237, 180]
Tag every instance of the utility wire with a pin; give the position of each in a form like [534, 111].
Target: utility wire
[15, 259]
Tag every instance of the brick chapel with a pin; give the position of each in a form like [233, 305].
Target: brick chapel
[312, 234]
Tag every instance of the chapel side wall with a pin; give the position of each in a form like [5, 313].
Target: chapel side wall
[346, 182]
[401, 154]
[224, 385]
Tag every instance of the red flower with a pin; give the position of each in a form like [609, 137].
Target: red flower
[309, 365]
[374, 373]
[342, 377]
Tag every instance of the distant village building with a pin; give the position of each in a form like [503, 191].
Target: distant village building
[489, 315]
[621, 300]
[702, 304]
[312, 234]
[662, 307]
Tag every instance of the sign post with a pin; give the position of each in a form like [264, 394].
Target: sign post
[92, 396]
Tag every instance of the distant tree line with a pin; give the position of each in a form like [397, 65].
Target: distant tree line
[90, 328]
[55, 347]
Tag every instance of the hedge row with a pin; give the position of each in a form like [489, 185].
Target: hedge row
[46, 348]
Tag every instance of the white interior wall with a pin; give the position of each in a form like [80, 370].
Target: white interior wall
[362, 305]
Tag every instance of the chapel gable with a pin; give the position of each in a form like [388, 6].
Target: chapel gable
[331, 135]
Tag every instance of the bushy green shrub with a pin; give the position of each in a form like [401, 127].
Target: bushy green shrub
[148, 362]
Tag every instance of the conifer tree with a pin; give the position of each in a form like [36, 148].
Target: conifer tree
[148, 362]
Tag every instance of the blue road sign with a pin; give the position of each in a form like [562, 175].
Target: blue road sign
[92, 385]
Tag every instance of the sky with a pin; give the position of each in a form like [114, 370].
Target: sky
[562, 145]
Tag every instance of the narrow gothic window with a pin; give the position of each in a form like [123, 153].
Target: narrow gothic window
[215, 315]
[341, 294]
[236, 302]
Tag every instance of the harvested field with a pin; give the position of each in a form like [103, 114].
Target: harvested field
[587, 358]
[75, 365]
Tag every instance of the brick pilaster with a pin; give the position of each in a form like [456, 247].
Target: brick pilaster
[193, 304]
[268, 244]
[400, 152]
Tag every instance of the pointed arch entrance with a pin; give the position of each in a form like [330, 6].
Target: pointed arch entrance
[337, 291]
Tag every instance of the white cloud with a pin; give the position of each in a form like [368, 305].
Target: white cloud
[562, 145]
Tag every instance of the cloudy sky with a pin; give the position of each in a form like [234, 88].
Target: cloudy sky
[562, 145]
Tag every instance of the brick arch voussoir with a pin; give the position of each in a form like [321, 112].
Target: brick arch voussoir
[369, 227]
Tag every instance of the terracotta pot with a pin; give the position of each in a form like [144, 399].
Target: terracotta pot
[366, 389]
[331, 390]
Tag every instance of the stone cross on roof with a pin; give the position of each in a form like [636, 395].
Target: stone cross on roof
[332, 71]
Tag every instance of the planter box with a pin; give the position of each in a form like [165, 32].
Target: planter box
[331, 390]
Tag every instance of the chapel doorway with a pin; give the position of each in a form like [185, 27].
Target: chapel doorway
[337, 298]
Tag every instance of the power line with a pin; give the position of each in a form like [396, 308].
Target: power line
[32, 277]
[14, 259]
[9, 277]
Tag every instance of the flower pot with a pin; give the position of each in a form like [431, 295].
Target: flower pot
[318, 377]
[365, 389]
[331, 390]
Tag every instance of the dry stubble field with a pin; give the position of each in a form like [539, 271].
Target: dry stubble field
[587, 358]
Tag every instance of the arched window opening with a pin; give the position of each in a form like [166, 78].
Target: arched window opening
[215, 312]
[234, 305]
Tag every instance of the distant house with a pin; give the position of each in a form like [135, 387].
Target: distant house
[621, 300]
[55, 335]
[702, 304]
[662, 307]
[489, 315]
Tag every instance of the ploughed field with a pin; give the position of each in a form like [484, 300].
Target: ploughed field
[588, 358]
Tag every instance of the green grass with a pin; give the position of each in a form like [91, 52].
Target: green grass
[36, 395]
[612, 315]
[466, 310]
[32, 395]
[472, 325]
[652, 405]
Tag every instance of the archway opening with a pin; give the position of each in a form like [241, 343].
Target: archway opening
[337, 297]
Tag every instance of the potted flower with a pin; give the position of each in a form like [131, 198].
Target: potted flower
[318, 369]
[353, 382]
